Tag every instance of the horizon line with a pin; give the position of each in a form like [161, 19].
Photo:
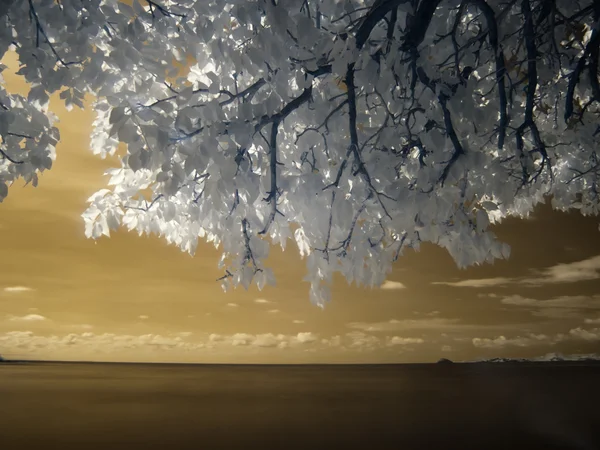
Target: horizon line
[441, 362]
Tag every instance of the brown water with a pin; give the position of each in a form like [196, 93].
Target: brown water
[475, 406]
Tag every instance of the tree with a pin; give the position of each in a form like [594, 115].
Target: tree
[358, 128]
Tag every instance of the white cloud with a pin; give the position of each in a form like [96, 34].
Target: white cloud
[586, 335]
[241, 339]
[576, 302]
[490, 295]
[534, 339]
[17, 289]
[362, 341]
[28, 318]
[88, 343]
[305, 337]
[430, 323]
[592, 321]
[232, 305]
[446, 348]
[215, 337]
[111, 346]
[333, 341]
[268, 340]
[502, 341]
[477, 283]
[143, 317]
[558, 313]
[273, 311]
[298, 322]
[394, 325]
[396, 340]
[261, 340]
[262, 301]
[391, 285]
[587, 269]
[565, 307]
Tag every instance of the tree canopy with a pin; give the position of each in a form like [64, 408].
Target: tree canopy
[356, 128]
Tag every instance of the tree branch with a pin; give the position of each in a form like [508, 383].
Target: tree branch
[40, 29]
[490, 18]
[274, 192]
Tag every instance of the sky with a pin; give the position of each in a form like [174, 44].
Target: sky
[131, 298]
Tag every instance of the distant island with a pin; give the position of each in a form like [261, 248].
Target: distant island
[551, 357]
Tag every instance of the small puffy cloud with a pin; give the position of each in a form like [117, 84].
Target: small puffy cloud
[215, 337]
[305, 337]
[273, 311]
[519, 341]
[269, 340]
[262, 301]
[397, 340]
[143, 317]
[232, 305]
[28, 318]
[298, 322]
[477, 283]
[446, 348]
[17, 289]
[391, 285]
[592, 321]
[241, 339]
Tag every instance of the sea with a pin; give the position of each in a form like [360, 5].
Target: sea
[481, 406]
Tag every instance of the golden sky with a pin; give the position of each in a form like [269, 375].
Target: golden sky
[130, 298]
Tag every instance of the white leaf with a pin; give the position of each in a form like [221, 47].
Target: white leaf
[303, 243]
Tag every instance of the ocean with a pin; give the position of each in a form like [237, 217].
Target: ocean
[481, 406]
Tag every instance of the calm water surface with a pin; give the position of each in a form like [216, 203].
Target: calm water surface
[466, 406]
